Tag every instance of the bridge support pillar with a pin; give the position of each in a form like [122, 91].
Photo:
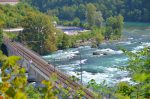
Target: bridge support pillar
[39, 78]
[31, 75]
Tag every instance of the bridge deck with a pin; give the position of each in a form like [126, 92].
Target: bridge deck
[46, 69]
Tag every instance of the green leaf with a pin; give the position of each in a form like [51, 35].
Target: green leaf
[11, 92]
[12, 61]
[20, 95]
[141, 77]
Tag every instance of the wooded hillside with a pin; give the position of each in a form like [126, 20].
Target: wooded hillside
[132, 10]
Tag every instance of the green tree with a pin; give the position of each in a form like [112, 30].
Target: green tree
[91, 10]
[119, 25]
[139, 68]
[39, 30]
[14, 81]
[1, 23]
[101, 89]
[1, 36]
[98, 19]
[11, 16]
[114, 27]
[19, 81]
[67, 13]
[97, 35]
[132, 10]
[80, 13]
[124, 89]
[94, 18]
[76, 22]
[66, 42]
[1, 32]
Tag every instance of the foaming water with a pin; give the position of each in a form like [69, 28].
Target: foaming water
[141, 46]
[62, 55]
[110, 51]
[103, 66]
[126, 42]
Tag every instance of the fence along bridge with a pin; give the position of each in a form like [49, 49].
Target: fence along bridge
[40, 69]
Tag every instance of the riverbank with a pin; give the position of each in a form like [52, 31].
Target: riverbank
[92, 42]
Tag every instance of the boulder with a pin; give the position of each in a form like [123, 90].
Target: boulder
[100, 53]
[96, 53]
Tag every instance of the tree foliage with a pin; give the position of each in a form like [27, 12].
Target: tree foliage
[11, 16]
[132, 10]
[1, 36]
[39, 32]
[94, 17]
[11, 70]
[114, 27]
[139, 67]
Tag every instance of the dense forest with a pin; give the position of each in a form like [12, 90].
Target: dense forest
[132, 10]
[22, 15]
[12, 16]
[39, 28]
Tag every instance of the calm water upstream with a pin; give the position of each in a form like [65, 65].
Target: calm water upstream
[100, 68]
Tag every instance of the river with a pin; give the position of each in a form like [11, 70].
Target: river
[103, 67]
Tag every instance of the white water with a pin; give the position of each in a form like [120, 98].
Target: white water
[102, 67]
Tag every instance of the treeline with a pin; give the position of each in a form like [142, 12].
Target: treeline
[41, 35]
[38, 30]
[12, 16]
[132, 10]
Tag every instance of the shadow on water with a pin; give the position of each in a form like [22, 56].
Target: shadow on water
[4, 49]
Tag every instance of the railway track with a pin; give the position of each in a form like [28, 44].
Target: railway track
[48, 69]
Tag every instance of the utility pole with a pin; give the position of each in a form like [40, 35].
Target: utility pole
[81, 65]
[54, 65]
[41, 47]
[41, 42]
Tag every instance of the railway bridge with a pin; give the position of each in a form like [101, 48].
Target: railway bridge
[38, 69]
